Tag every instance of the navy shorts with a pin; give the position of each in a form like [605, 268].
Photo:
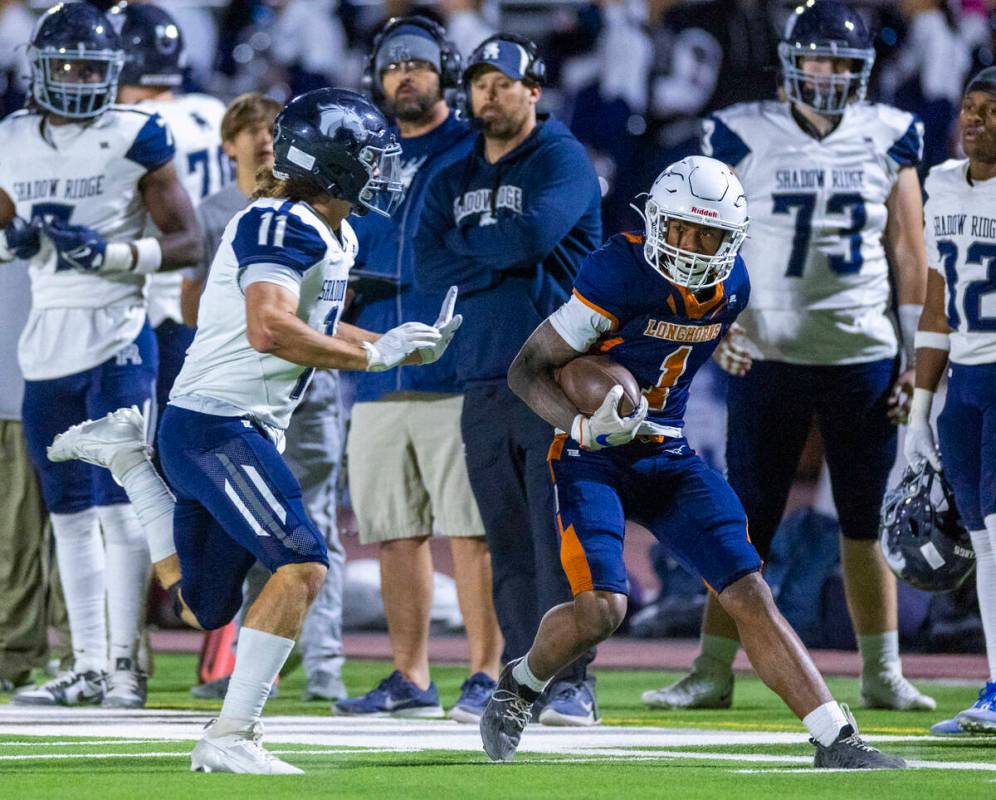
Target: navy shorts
[236, 502]
[770, 411]
[666, 488]
[966, 429]
[50, 406]
[174, 339]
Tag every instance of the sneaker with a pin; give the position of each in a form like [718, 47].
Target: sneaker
[239, 751]
[571, 705]
[326, 684]
[981, 717]
[947, 727]
[126, 686]
[850, 751]
[891, 690]
[695, 690]
[395, 696]
[70, 688]
[506, 715]
[474, 695]
[99, 441]
[218, 688]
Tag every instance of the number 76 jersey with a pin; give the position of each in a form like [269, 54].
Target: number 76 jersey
[819, 275]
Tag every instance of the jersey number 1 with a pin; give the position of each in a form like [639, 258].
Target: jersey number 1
[279, 230]
[672, 368]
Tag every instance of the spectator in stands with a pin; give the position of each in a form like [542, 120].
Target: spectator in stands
[467, 23]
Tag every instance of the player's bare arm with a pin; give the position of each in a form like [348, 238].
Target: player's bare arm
[531, 376]
[932, 334]
[171, 210]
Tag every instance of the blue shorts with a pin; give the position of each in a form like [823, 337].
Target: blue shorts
[236, 502]
[666, 488]
[770, 411]
[51, 406]
[966, 429]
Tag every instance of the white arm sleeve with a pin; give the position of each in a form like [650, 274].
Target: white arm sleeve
[579, 325]
[282, 276]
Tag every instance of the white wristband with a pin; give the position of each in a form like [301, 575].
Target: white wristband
[909, 318]
[932, 340]
[920, 406]
[117, 258]
[150, 255]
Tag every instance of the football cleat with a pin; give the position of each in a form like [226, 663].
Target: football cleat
[946, 727]
[69, 688]
[326, 684]
[474, 695]
[506, 715]
[239, 751]
[695, 690]
[571, 705]
[100, 441]
[981, 717]
[395, 696]
[891, 690]
[850, 751]
[126, 686]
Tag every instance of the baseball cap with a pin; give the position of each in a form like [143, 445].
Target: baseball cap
[510, 58]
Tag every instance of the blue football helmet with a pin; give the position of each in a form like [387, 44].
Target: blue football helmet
[921, 534]
[825, 29]
[153, 45]
[76, 59]
[339, 142]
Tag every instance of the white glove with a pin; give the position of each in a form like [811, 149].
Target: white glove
[731, 354]
[605, 428]
[920, 442]
[447, 325]
[398, 343]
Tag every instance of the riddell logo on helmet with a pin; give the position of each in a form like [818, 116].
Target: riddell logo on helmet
[705, 212]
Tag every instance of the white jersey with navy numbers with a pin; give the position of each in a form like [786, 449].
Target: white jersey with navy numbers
[820, 288]
[273, 241]
[81, 174]
[203, 169]
[960, 219]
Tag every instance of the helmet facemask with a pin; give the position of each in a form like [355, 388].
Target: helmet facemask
[69, 98]
[383, 192]
[829, 93]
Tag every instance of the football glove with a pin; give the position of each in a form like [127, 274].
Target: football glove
[446, 324]
[20, 239]
[605, 428]
[731, 355]
[398, 343]
[77, 246]
[919, 443]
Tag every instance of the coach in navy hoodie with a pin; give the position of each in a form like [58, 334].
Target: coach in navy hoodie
[510, 224]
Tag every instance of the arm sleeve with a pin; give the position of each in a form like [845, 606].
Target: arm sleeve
[153, 147]
[720, 142]
[273, 236]
[579, 324]
[907, 150]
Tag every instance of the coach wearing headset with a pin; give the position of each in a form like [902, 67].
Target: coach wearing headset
[408, 476]
[510, 224]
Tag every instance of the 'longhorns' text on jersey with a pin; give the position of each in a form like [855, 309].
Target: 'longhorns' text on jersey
[272, 241]
[819, 274]
[81, 174]
[203, 169]
[961, 244]
[662, 333]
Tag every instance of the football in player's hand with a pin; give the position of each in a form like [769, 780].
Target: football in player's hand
[587, 379]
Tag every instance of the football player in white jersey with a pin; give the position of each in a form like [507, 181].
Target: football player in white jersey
[155, 59]
[271, 310]
[79, 180]
[827, 176]
[958, 330]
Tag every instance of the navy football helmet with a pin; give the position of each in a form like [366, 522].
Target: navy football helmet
[339, 142]
[153, 45]
[76, 59]
[921, 535]
[825, 29]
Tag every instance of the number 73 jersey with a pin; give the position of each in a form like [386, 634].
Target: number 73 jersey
[820, 279]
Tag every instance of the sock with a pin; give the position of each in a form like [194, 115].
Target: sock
[716, 654]
[127, 577]
[152, 502]
[257, 664]
[80, 553]
[824, 723]
[524, 676]
[984, 543]
[880, 653]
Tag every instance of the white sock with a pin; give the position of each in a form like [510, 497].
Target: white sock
[824, 723]
[80, 552]
[984, 543]
[127, 577]
[716, 654]
[257, 664]
[523, 675]
[153, 504]
[880, 653]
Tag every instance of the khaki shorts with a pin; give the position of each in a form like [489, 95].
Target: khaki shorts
[407, 471]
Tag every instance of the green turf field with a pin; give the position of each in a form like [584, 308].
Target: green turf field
[751, 750]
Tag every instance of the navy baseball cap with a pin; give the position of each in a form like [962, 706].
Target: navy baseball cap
[407, 43]
[510, 58]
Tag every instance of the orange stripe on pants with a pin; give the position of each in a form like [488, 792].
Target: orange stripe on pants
[574, 561]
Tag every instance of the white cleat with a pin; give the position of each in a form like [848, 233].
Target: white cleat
[891, 690]
[695, 690]
[69, 688]
[126, 686]
[99, 441]
[239, 752]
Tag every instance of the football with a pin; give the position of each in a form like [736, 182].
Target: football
[587, 379]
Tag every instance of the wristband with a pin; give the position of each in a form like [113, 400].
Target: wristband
[117, 258]
[149, 255]
[932, 340]
[920, 407]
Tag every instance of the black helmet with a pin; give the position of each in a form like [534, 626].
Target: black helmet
[338, 141]
[153, 45]
[921, 535]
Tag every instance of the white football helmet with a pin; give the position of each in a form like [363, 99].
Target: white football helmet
[701, 190]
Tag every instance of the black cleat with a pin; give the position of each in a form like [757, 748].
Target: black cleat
[506, 715]
[849, 751]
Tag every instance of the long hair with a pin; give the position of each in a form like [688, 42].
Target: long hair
[269, 185]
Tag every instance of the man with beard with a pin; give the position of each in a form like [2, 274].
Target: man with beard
[408, 477]
[510, 224]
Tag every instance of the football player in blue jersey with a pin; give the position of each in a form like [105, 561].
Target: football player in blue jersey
[832, 183]
[658, 303]
[80, 180]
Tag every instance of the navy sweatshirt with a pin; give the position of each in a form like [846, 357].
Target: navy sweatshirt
[512, 236]
[387, 254]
